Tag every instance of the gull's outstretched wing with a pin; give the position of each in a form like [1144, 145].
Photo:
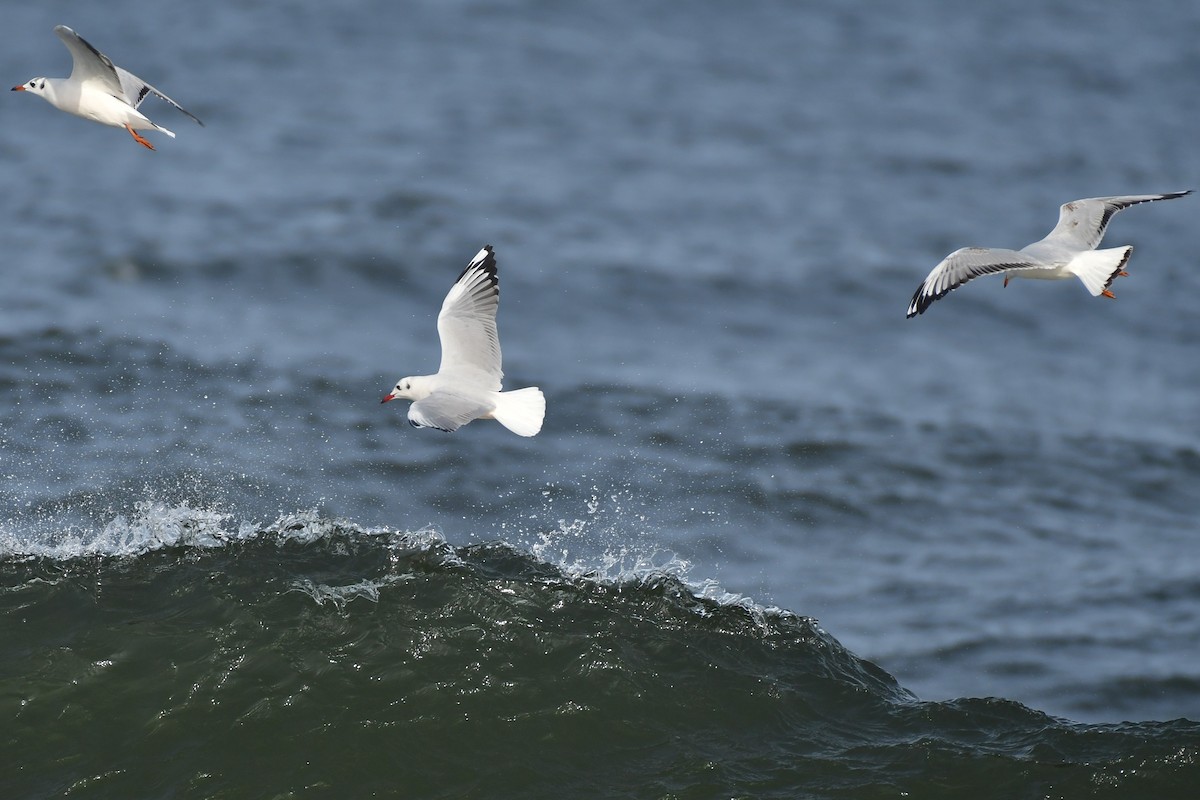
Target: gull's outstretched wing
[467, 325]
[964, 265]
[1081, 223]
[446, 411]
[90, 65]
[136, 89]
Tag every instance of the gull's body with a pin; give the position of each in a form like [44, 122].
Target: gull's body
[99, 90]
[1068, 251]
[467, 384]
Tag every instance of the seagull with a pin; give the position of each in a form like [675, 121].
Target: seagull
[99, 90]
[1069, 250]
[467, 384]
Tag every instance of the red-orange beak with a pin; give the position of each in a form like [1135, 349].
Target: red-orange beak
[388, 396]
[20, 88]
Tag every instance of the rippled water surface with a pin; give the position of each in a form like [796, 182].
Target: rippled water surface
[763, 500]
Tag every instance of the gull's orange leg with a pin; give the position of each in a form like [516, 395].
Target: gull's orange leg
[138, 138]
[1109, 294]
[1122, 274]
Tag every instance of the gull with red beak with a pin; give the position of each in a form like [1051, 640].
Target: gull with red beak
[99, 90]
[467, 384]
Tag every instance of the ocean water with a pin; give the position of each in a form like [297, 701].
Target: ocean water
[775, 540]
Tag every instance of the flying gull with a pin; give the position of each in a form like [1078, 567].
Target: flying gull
[99, 90]
[1069, 250]
[467, 384]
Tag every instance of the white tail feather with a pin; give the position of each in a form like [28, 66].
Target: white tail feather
[521, 411]
[1098, 268]
[161, 129]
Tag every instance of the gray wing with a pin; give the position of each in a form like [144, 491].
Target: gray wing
[89, 64]
[1081, 223]
[136, 89]
[92, 66]
[467, 325]
[446, 411]
[964, 265]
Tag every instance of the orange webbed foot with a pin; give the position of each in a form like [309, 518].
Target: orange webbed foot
[1109, 294]
[139, 138]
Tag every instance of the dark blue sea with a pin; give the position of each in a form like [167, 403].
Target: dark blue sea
[774, 541]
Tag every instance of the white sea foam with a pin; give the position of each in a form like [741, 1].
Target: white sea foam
[154, 525]
[612, 544]
[340, 596]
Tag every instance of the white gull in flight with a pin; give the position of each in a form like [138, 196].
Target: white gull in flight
[99, 90]
[467, 384]
[1068, 251]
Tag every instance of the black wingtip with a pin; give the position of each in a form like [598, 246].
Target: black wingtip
[488, 261]
[483, 263]
[920, 301]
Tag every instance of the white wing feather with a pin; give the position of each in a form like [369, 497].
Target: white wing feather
[89, 65]
[467, 325]
[446, 411]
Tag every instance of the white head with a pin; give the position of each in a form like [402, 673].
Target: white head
[36, 86]
[411, 388]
